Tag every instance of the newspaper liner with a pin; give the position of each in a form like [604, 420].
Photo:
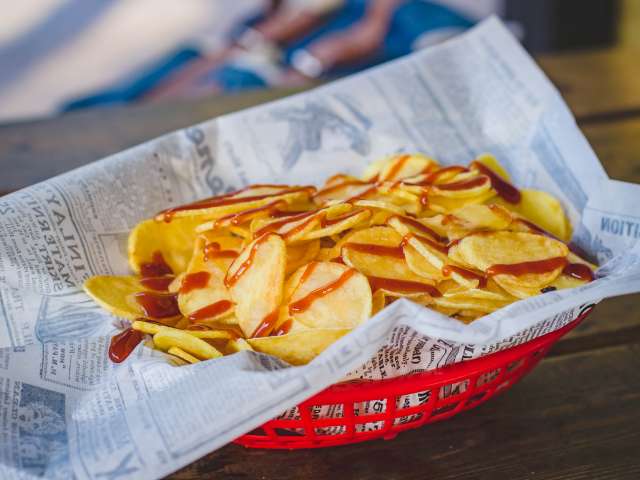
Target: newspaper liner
[66, 410]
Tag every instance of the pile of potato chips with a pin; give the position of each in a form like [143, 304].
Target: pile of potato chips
[287, 270]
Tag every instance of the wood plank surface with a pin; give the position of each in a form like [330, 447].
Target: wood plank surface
[598, 86]
[574, 417]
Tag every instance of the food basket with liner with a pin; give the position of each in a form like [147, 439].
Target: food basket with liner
[442, 393]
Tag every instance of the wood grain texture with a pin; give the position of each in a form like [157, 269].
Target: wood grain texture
[598, 86]
[563, 421]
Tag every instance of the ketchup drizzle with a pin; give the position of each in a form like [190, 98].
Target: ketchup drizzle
[304, 303]
[194, 281]
[160, 284]
[231, 280]
[157, 305]
[503, 188]
[266, 325]
[231, 199]
[447, 270]
[157, 267]
[579, 271]
[536, 266]
[213, 250]
[210, 311]
[123, 344]
[379, 250]
[402, 286]
[464, 184]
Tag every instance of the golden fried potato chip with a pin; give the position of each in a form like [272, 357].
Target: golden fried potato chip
[254, 196]
[178, 352]
[442, 204]
[521, 263]
[415, 233]
[300, 254]
[543, 210]
[403, 165]
[300, 347]
[203, 294]
[255, 280]
[297, 228]
[465, 185]
[124, 296]
[159, 248]
[490, 161]
[335, 224]
[377, 252]
[167, 338]
[419, 265]
[328, 295]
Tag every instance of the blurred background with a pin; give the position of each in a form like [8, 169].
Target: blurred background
[65, 55]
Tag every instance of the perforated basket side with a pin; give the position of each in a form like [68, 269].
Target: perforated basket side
[365, 410]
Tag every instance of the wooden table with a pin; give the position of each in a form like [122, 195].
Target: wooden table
[577, 416]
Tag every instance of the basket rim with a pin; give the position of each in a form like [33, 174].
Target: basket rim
[449, 373]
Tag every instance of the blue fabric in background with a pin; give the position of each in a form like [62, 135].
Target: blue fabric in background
[411, 20]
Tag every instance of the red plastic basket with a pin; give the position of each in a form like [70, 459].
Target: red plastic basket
[440, 395]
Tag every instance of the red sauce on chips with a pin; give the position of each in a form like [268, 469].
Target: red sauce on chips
[210, 311]
[123, 344]
[273, 226]
[304, 303]
[464, 184]
[435, 245]
[194, 281]
[402, 286]
[379, 250]
[213, 250]
[160, 284]
[447, 270]
[157, 267]
[397, 167]
[503, 188]
[158, 305]
[536, 266]
[579, 271]
[283, 329]
[231, 199]
[423, 228]
[267, 324]
[327, 222]
[231, 280]
[242, 217]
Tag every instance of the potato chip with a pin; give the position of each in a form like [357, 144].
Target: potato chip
[167, 338]
[203, 294]
[377, 252]
[300, 254]
[255, 280]
[254, 196]
[404, 166]
[490, 161]
[335, 224]
[434, 251]
[522, 263]
[543, 211]
[125, 297]
[158, 248]
[328, 295]
[298, 227]
[178, 352]
[298, 348]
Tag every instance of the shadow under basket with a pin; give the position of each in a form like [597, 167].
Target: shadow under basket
[357, 411]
